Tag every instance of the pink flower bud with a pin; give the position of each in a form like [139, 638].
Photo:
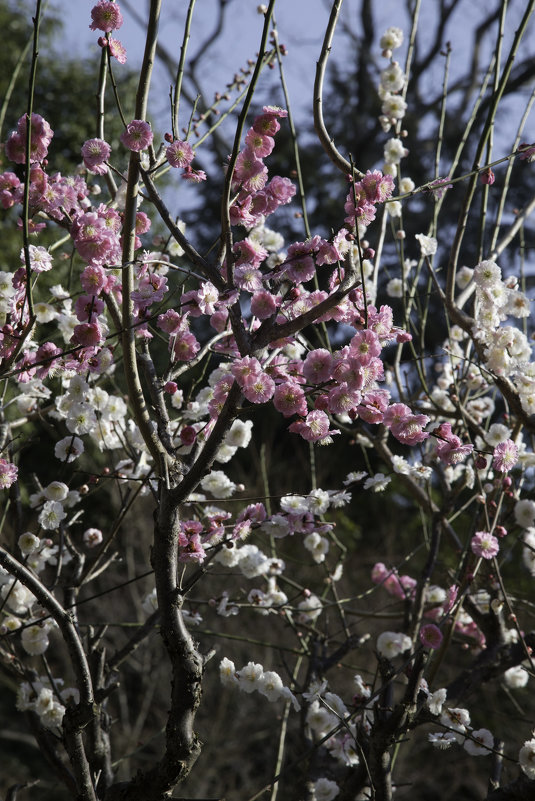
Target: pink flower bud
[188, 435]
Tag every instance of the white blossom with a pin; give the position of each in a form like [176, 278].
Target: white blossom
[218, 484]
[435, 701]
[526, 758]
[68, 449]
[34, 640]
[250, 677]
[392, 643]
[480, 742]
[51, 515]
[516, 677]
[325, 790]
[525, 513]
[227, 673]
[428, 244]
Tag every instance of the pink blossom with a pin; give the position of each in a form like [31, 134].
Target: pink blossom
[106, 16]
[280, 190]
[505, 456]
[365, 345]
[93, 279]
[449, 447]
[197, 176]
[95, 152]
[453, 592]
[342, 399]
[117, 50]
[249, 171]
[373, 406]
[191, 549]
[248, 277]
[179, 154]
[41, 136]
[185, 347]
[377, 187]
[410, 430]
[484, 545]
[45, 354]
[87, 334]
[137, 136]
[87, 307]
[440, 187]
[170, 387]
[290, 399]
[314, 428]
[143, 223]
[8, 474]
[258, 388]
[250, 252]
[263, 304]
[266, 125]
[255, 512]
[431, 636]
[300, 265]
[260, 144]
[318, 366]
[151, 289]
[245, 368]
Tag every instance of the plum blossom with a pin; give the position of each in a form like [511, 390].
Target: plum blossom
[95, 153]
[526, 758]
[8, 474]
[106, 16]
[428, 244]
[34, 639]
[505, 456]
[137, 136]
[325, 790]
[484, 545]
[179, 154]
[392, 643]
[431, 636]
[68, 449]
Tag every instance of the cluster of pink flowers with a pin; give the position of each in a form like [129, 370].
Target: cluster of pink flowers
[401, 587]
[439, 602]
[449, 447]
[40, 138]
[107, 17]
[256, 197]
[364, 195]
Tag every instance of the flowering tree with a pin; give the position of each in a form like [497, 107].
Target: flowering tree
[146, 370]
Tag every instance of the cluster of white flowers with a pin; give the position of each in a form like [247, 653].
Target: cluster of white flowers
[47, 702]
[392, 83]
[476, 742]
[507, 351]
[252, 677]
